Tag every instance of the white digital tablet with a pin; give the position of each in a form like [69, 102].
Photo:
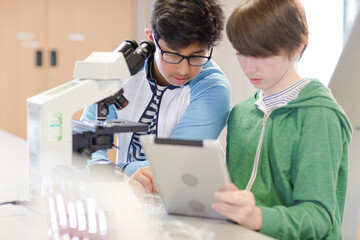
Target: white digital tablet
[187, 174]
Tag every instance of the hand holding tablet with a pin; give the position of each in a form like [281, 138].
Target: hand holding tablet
[187, 174]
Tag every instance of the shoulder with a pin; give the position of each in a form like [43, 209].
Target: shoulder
[245, 111]
[210, 81]
[247, 104]
[316, 119]
[210, 75]
[135, 79]
[137, 83]
[315, 103]
[318, 114]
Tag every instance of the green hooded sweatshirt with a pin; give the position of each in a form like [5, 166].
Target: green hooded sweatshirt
[301, 177]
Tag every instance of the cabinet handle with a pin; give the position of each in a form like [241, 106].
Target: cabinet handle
[38, 58]
[53, 58]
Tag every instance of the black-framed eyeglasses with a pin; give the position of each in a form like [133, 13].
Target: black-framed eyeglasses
[175, 58]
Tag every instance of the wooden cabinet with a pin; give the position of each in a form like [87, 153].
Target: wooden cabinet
[40, 40]
[22, 33]
[69, 30]
[78, 27]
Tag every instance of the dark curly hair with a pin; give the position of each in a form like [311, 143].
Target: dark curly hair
[183, 22]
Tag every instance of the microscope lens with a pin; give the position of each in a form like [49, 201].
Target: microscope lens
[126, 47]
[146, 49]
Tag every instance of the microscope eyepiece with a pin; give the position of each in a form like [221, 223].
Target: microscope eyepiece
[127, 47]
[145, 49]
[135, 55]
[132, 43]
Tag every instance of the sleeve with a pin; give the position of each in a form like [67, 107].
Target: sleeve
[318, 180]
[130, 168]
[208, 111]
[89, 114]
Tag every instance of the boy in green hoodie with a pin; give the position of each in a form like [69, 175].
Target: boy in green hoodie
[287, 145]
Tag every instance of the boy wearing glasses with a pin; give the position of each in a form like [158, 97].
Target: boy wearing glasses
[181, 93]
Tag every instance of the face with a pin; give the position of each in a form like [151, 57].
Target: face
[176, 74]
[270, 74]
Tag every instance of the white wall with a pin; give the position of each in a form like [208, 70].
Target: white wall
[325, 39]
[142, 15]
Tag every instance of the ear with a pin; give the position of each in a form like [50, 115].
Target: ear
[149, 34]
[300, 50]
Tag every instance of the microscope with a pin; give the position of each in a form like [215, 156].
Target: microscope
[53, 136]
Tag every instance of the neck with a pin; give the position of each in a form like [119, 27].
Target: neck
[155, 73]
[288, 79]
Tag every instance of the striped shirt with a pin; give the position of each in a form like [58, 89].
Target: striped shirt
[150, 116]
[281, 98]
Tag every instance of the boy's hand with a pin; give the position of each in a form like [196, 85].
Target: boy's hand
[239, 206]
[143, 176]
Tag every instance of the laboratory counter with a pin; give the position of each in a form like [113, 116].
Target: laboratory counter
[112, 209]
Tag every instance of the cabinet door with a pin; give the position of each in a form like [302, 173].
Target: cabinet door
[22, 35]
[61, 31]
[78, 27]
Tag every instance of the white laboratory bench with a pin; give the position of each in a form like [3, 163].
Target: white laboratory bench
[145, 219]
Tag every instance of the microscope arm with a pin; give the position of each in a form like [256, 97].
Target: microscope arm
[50, 119]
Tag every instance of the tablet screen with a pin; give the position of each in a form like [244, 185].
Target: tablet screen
[187, 174]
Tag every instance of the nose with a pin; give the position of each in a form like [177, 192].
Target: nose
[183, 67]
[248, 64]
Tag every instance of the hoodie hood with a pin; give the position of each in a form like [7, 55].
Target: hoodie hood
[315, 94]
